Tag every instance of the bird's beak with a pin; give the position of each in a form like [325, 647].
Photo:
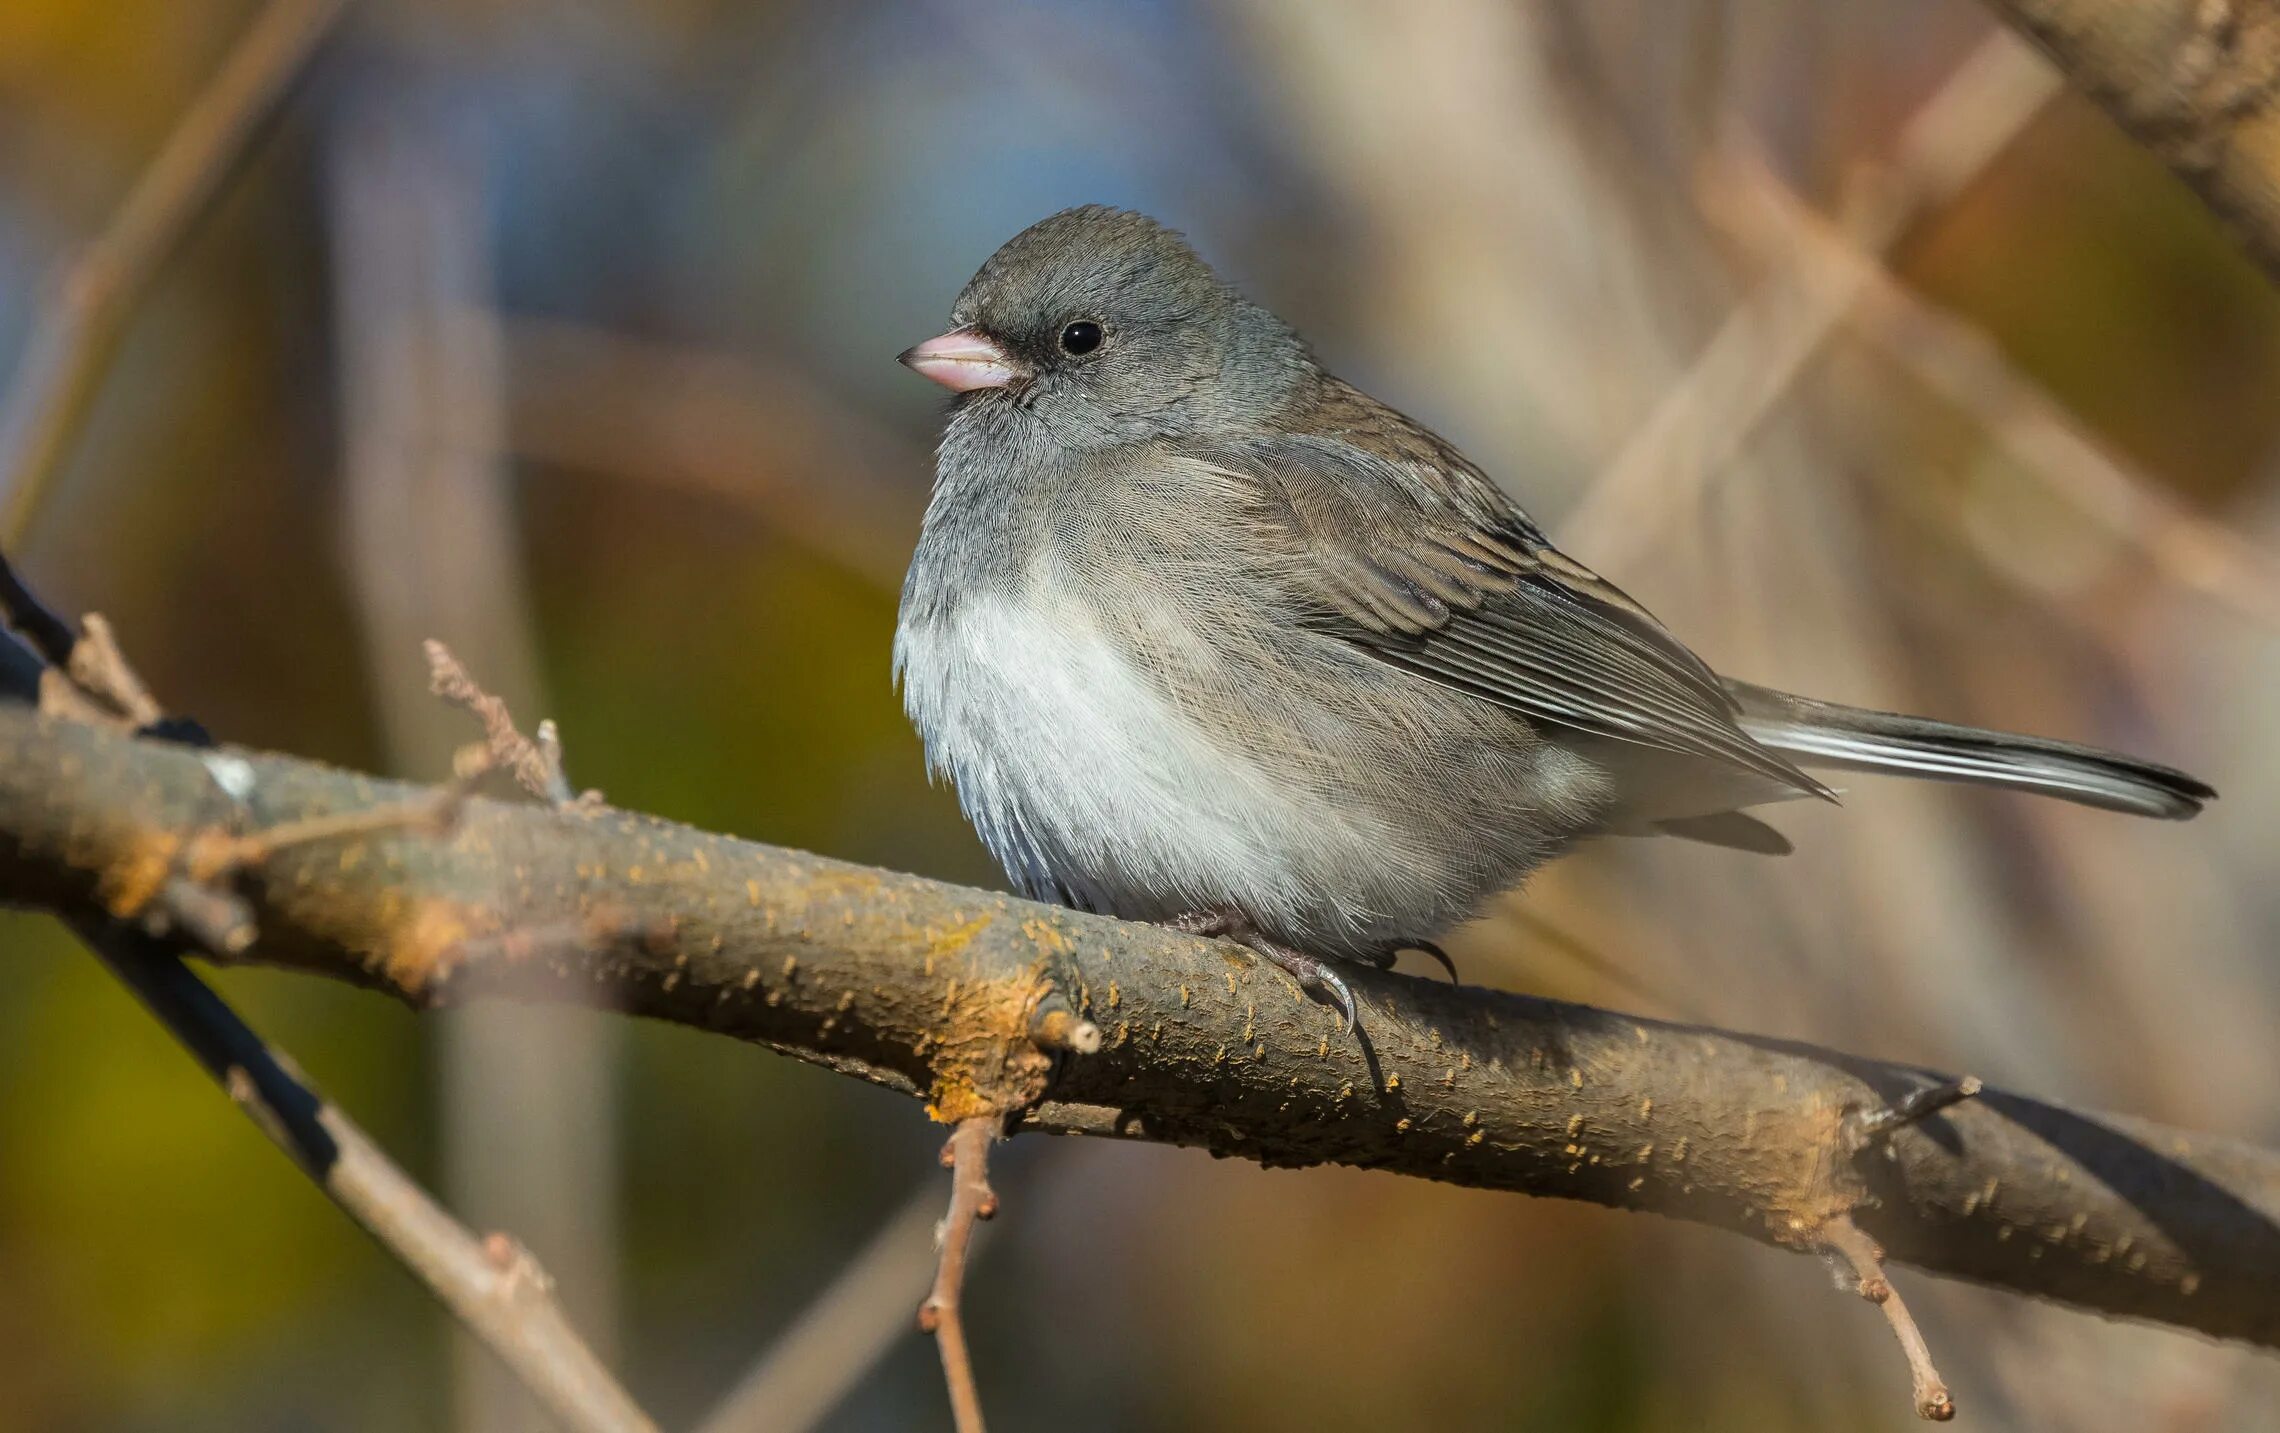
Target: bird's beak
[961, 361]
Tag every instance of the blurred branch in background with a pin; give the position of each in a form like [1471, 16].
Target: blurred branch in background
[2195, 81]
[1965, 368]
[843, 1332]
[527, 1102]
[78, 329]
[976, 1002]
[730, 427]
[1702, 421]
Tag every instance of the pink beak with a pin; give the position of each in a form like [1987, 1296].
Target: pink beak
[961, 361]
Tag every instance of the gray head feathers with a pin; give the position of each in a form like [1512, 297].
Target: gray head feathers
[1178, 351]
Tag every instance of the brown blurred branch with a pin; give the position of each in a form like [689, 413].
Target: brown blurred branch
[2195, 81]
[727, 426]
[841, 1335]
[960, 997]
[1706, 417]
[1963, 365]
[79, 327]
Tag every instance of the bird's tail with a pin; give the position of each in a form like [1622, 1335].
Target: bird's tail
[1823, 734]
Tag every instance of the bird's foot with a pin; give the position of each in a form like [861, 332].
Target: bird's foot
[1315, 976]
[1208, 924]
[1385, 958]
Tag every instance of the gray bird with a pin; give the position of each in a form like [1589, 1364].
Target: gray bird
[1206, 636]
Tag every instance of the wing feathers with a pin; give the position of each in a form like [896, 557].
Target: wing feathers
[1430, 569]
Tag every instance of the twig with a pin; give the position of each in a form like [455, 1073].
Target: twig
[214, 919]
[1915, 1107]
[537, 764]
[1765, 342]
[87, 675]
[1865, 1260]
[101, 671]
[967, 1156]
[79, 328]
[219, 855]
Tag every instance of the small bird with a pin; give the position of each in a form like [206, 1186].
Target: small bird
[1206, 636]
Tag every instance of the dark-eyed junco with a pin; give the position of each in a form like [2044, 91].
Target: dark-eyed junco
[1206, 636]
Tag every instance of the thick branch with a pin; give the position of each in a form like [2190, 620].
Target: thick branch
[972, 1001]
[2195, 81]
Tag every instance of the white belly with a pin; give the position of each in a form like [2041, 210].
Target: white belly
[1058, 745]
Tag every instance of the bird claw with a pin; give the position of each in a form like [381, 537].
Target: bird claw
[1433, 949]
[1314, 976]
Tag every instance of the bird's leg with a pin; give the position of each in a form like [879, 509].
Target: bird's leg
[1314, 975]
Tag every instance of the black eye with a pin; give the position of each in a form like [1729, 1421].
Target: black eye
[1081, 337]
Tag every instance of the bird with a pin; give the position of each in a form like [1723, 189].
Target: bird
[1205, 636]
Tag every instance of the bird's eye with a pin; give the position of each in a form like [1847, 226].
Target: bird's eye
[1081, 337]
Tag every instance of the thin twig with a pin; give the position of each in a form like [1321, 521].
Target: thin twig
[967, 1156]
[1865, 1260]
[87, 675]
[79, 328]
[102, 671]
[1915, 1107]
[214, 919]
[537, 764]
[222, 855]
[1765, 342]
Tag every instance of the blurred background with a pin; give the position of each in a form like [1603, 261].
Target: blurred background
[563, 330]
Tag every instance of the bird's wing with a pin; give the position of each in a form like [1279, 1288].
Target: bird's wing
[1404, 549]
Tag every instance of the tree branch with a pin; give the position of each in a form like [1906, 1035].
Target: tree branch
[977, 1002]
[2195, 81]
[493, 1285]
